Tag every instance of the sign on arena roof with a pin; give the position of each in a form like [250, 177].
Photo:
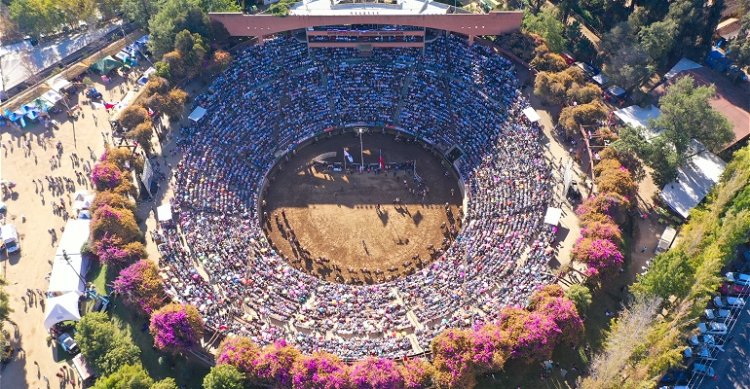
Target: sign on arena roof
[403, 7]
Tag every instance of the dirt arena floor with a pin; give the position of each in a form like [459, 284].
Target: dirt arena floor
[328, 223]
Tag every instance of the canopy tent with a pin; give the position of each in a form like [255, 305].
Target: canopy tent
[68, 266]
[531, 114]
[600, 79]
[197, 114]
[694, 180]
[59, 84]
[82, 368]
[553, 216]
[638, 117]
[616, 91]
[106, 65]
[164, 213]
[62, 308]
[143, 79]
[33, 114]
[52, 97]
[82, 200]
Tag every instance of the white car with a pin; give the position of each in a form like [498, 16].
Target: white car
[729, 302]
[713, 328]
[738, 278]
[717, 314]
[697, 340]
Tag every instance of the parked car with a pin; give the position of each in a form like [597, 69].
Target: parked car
[588, 69]
[700, 368]
[697, 340]
[10, 238]
[713, 328]
[730, 289]
[68, 344]
[717, 314]
[568, 58]
[93, 94]
[738, 278]
[729, 302]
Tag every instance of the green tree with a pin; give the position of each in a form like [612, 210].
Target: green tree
[739, 47]
[35, 17]
[220, 6]
[657, 39]
[670, 274]
[104, 345]
[686, 114]
[126, 377]
[4, 302]
[580, 295]
[224, 377]
[192, 50]
[174, 16]
[141, 11]
[167, 383]
[548, 27]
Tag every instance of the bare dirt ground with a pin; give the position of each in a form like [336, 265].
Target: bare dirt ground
[346, 226]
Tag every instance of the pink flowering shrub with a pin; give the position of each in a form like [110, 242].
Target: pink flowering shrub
[603, 207]
[176, 327]
[106, 175]
[565, 315]
[602, 230]
[452, 358]
[601, 255]
[320, 371]
[117, 222]
[490, 347]
[141, 286]
[417, 373]
[110, 250]
[274, 364]
[376, 373]
[239, 352]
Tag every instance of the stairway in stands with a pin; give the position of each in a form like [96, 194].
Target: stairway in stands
[402, 97]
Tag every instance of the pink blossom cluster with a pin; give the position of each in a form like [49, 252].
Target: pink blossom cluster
[320, 371]
[106, 175]
[176, 327]
[109, 250]
[141, 285]
[375, 373]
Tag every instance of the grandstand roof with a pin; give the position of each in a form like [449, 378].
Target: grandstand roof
[404, 7]
[493, 23]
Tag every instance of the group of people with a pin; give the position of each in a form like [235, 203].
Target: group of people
[278, 94]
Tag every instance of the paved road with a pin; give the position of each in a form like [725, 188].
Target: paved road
[733, 365]
[19, 61]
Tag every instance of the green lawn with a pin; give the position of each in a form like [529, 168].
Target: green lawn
[159, 365]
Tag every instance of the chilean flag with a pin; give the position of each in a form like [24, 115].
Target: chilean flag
[381, 161]
[348, 156]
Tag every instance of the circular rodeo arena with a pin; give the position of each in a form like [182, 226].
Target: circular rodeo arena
[357, 189]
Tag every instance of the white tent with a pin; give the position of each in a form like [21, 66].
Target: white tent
[164, 213]
[58, 83]
[51, 96]
[694, 180]
[197, 114]
[82, 200]
[61, 308]
[67, 273]
[531, 114]
[638, 117]
[553, 216]
[600, 79]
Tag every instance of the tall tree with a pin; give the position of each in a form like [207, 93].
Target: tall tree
[127, 377]
[141, 11]
[104, 345]
[739, 47]
[224, 377]
[686, 114]
[548, 27]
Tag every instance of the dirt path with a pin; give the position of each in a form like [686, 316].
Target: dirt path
[30, 270]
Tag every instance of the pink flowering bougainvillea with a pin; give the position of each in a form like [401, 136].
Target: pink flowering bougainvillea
[106, 175]
[565, 315]
[452, 351]
[603, 230]
[176, 327]
[274, 364]
[417, 373]
[320, 371]
[240, 352]
[141, 285]
[601, 255]
[490, 347]
[376, 373]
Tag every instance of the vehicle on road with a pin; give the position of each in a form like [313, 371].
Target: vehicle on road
[68, 343]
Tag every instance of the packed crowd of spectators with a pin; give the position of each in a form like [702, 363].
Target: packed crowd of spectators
[275, 96]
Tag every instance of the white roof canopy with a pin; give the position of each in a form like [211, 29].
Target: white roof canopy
[553, 216]
[164, 213]
[197, 114]
[694, 180]
[58, 83]
[531, 114]
[62, 308]
[638, 117]
[66, 274]
[51, 96]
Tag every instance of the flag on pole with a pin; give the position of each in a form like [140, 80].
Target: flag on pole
[97, 105]
[381, 161]
[348, 156]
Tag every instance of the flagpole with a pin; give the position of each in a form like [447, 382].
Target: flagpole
[361, 151]
[344, 160]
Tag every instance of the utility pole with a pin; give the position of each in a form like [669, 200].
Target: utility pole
[361, 150]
